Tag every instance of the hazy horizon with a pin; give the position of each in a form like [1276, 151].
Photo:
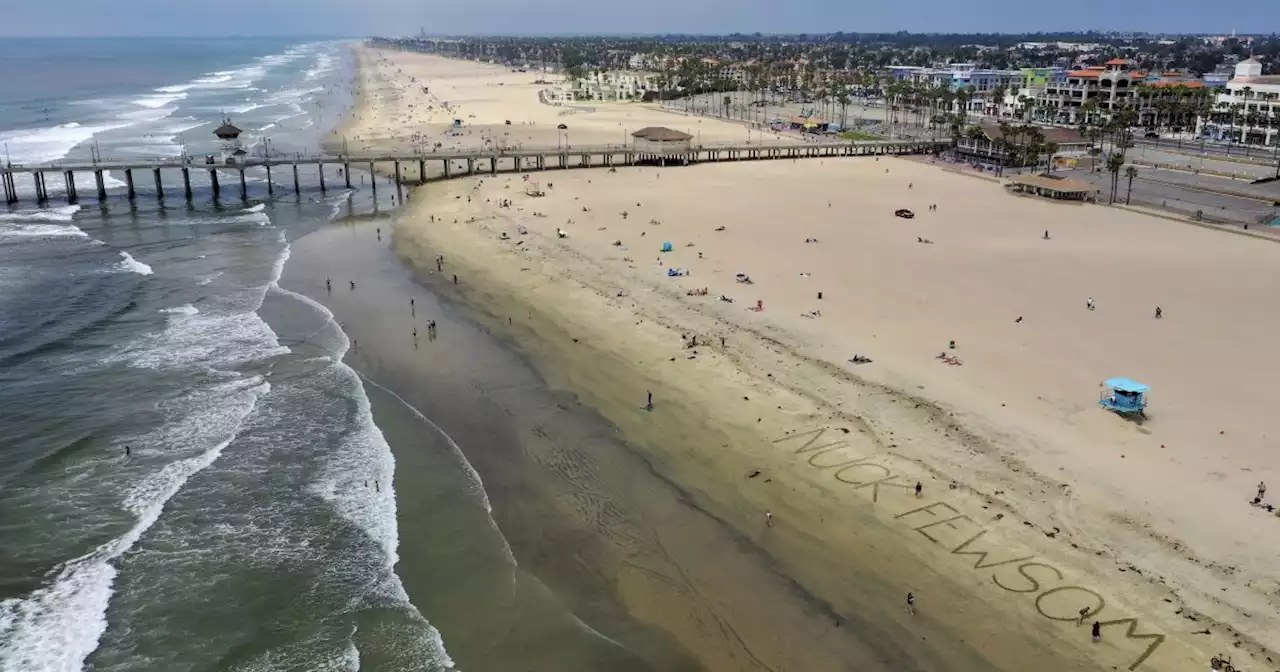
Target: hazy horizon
[397, 18]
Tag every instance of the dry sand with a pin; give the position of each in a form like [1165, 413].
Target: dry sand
[409, 102]
[1075, 507]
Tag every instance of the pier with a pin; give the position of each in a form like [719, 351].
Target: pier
[453, 164]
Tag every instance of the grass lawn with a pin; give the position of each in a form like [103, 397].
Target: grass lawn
[858, 135]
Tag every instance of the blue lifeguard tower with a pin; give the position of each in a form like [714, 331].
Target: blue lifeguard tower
[1125, 397]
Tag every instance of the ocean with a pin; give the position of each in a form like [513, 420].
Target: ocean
[181, 487]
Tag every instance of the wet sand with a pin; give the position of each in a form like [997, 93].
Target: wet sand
[618, 567]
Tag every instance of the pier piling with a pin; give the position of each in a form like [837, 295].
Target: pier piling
[536, 159]
[399, 188]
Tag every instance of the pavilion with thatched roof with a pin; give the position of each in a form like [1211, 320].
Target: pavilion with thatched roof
[1057, 188]
[660, 139]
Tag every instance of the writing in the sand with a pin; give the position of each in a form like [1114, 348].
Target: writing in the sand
[945, 525]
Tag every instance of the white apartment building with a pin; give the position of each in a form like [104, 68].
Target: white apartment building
[608, 86]
[1249, 111]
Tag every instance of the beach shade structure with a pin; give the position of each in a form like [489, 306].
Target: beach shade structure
[666, 247]
[1125, 397]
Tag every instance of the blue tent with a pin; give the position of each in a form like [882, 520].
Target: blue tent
[666, 247]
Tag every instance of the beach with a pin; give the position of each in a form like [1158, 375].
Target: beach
[1038, 513]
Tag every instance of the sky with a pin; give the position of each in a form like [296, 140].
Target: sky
[359, 18]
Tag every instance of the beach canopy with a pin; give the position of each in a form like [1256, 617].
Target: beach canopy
[666, 247]
[1126, 385]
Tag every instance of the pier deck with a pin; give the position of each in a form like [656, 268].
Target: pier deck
[481, 161]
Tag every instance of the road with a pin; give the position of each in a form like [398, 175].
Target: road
[1179, 193]
[1202, 162]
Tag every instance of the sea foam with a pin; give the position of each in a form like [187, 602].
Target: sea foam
[133, 265]
[60, 214]
[56, 627]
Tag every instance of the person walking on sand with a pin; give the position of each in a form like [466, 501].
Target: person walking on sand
[411, 306]
[1097, 631]
[1046, 234]
[649, 406]
[911, 604]
[127, 451]
[1159, 313]
[1088, 303]
[768, 518]
[919, 489]
[379, 230]
[328, 285]
[1262, 490]
[353, 285]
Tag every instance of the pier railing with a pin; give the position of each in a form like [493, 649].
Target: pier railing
[471, 162]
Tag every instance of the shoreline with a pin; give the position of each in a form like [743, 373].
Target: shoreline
[610, 364]
[583, 511]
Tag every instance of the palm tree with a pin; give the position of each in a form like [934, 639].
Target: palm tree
[963, 96]
[1251, 120]
[1050, 148]
[996, 98]
[1235, 114]
[1130, 172]
[842, 97]
[1005, 143]
[1114, 163]
[1090, 111]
